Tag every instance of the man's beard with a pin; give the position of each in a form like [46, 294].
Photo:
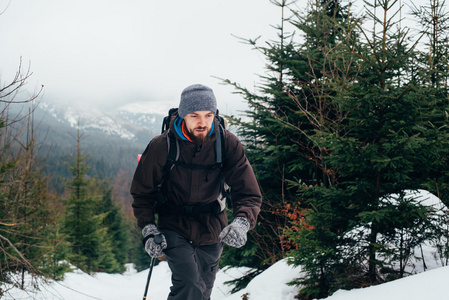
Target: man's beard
[199, 139]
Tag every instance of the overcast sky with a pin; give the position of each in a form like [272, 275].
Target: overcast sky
[111, 51]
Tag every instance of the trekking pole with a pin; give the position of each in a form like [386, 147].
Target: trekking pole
[157, 240]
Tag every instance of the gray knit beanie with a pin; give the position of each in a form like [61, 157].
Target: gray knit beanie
[197, 97]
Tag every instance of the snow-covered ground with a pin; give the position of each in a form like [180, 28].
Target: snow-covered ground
[269, 285]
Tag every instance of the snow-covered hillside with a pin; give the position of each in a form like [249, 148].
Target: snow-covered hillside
[428, 283]
[270, 285]
[124, 122]
[131, 285]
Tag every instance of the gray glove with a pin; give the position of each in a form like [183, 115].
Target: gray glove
[153, 248]
[235, 233]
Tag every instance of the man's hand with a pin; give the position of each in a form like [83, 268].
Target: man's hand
[154, 248]
[235, 233]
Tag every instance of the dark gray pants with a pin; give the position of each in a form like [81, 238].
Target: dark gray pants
[193, 267]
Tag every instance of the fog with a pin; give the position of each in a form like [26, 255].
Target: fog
[110, 52]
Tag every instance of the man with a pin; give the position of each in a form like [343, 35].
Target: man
[191, 222]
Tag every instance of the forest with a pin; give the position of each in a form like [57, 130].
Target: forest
[351, 113]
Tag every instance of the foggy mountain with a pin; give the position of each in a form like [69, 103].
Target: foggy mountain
[133, 123]
[111, 139]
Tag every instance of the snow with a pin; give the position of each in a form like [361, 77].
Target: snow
[427, 285]
[268, 285]
[131, 285]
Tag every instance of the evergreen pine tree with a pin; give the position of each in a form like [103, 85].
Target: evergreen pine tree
[348, 120]
[293, 103]
[387, 144]
[114, 259]
[82, 225]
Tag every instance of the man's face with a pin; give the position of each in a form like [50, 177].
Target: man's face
[199, 124]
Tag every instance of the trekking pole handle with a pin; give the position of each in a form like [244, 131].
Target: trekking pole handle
[158, 239]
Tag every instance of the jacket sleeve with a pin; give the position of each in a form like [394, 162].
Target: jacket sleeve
[144, 186]
[239, 175]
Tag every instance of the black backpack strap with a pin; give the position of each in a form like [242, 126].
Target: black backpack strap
[173, 152]
[218, 145]
[172, 156]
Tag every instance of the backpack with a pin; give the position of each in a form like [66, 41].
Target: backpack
[224, 198]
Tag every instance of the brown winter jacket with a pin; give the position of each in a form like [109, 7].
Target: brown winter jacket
[192, 187]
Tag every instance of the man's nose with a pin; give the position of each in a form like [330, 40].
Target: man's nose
[202, 121]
